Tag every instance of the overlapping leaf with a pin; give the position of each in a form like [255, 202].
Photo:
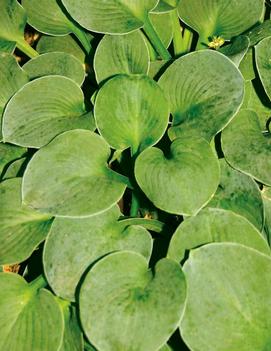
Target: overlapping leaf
[120, 299]
[78, 182]
[181, 182]
[199, 87]
[74, 244]
[235, 287]
[263, 60]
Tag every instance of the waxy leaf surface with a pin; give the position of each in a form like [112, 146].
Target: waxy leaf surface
[246, 148]
[21, 228]
[9, 153]
[74, 244]
[120, 299]
[31, 319]
[43, 109]
[214, 225]
[55, 63]
[263, 61]
[131, 111]
[121, 54]
[205, 90]
[69, 177]
[228, 294]
[181, 182]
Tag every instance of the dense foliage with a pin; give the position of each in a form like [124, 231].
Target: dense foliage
[135, 168]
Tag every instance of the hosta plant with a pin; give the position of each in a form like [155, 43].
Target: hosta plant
[135, 169]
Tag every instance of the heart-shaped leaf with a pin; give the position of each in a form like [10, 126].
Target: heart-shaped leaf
[43, 109]
[31, 319]
[256, 99]
[73, 337]
[181, 182]
[121, 54]
[199, 87]
[55, 63]
[263, 61]
[239, 193]
[222, 314]
[9, 153]
[131, 111]
[112, 16]
[67, 252]
[120, 299]
[12, 78]
[237, 49]
[220, 18]
[65, 43]
[76, 176]
[246, 148]
[166, 6]
[22, 229]
[214, 225]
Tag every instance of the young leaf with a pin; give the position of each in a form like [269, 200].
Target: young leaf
[112, 17]
[239, 193]
[220, 18]
[31, 319]
[199, 87]
[247, 66]
[166, 6]
[55, 63]
[76, 176]
[65, 43]
[237, 49]
[182, 182]
[259, 32]
[120, 299]
[75, 244]
[43, 109]
[228, 291]
[214, 225]
[15, 168]
[163, 26]
[266, 195]
[121, 54]
[263, 62]
[21, 228]
[131, 111]
[246, 148]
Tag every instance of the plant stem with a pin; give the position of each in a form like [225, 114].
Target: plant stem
[38, 283]
[27, 49]
[155, 40]
[82, 37]
[187, 39]
[134, 205]
[178, 43]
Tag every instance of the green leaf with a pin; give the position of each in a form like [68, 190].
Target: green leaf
[55, 63]
[121, 299]
[237, 49]
[21, 228]
[15, 169]
[246, 148]
[73, 337]
[266, 195]
[247, 66]
[214, 225]
[166, 6]
[78, 182]
[263, 62]
[239, 193]
[256, 99]
[12, 78]
[7, 46]
[131, 111]
[121, 54]
[112, 17]
[181, 182]
[163, 26]
[220, 18]
[229, 291]
[43, 109]
[64, 43]
[9, 153]
[259, 32]
[67, 252]
[31, 319]
[199, 87]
